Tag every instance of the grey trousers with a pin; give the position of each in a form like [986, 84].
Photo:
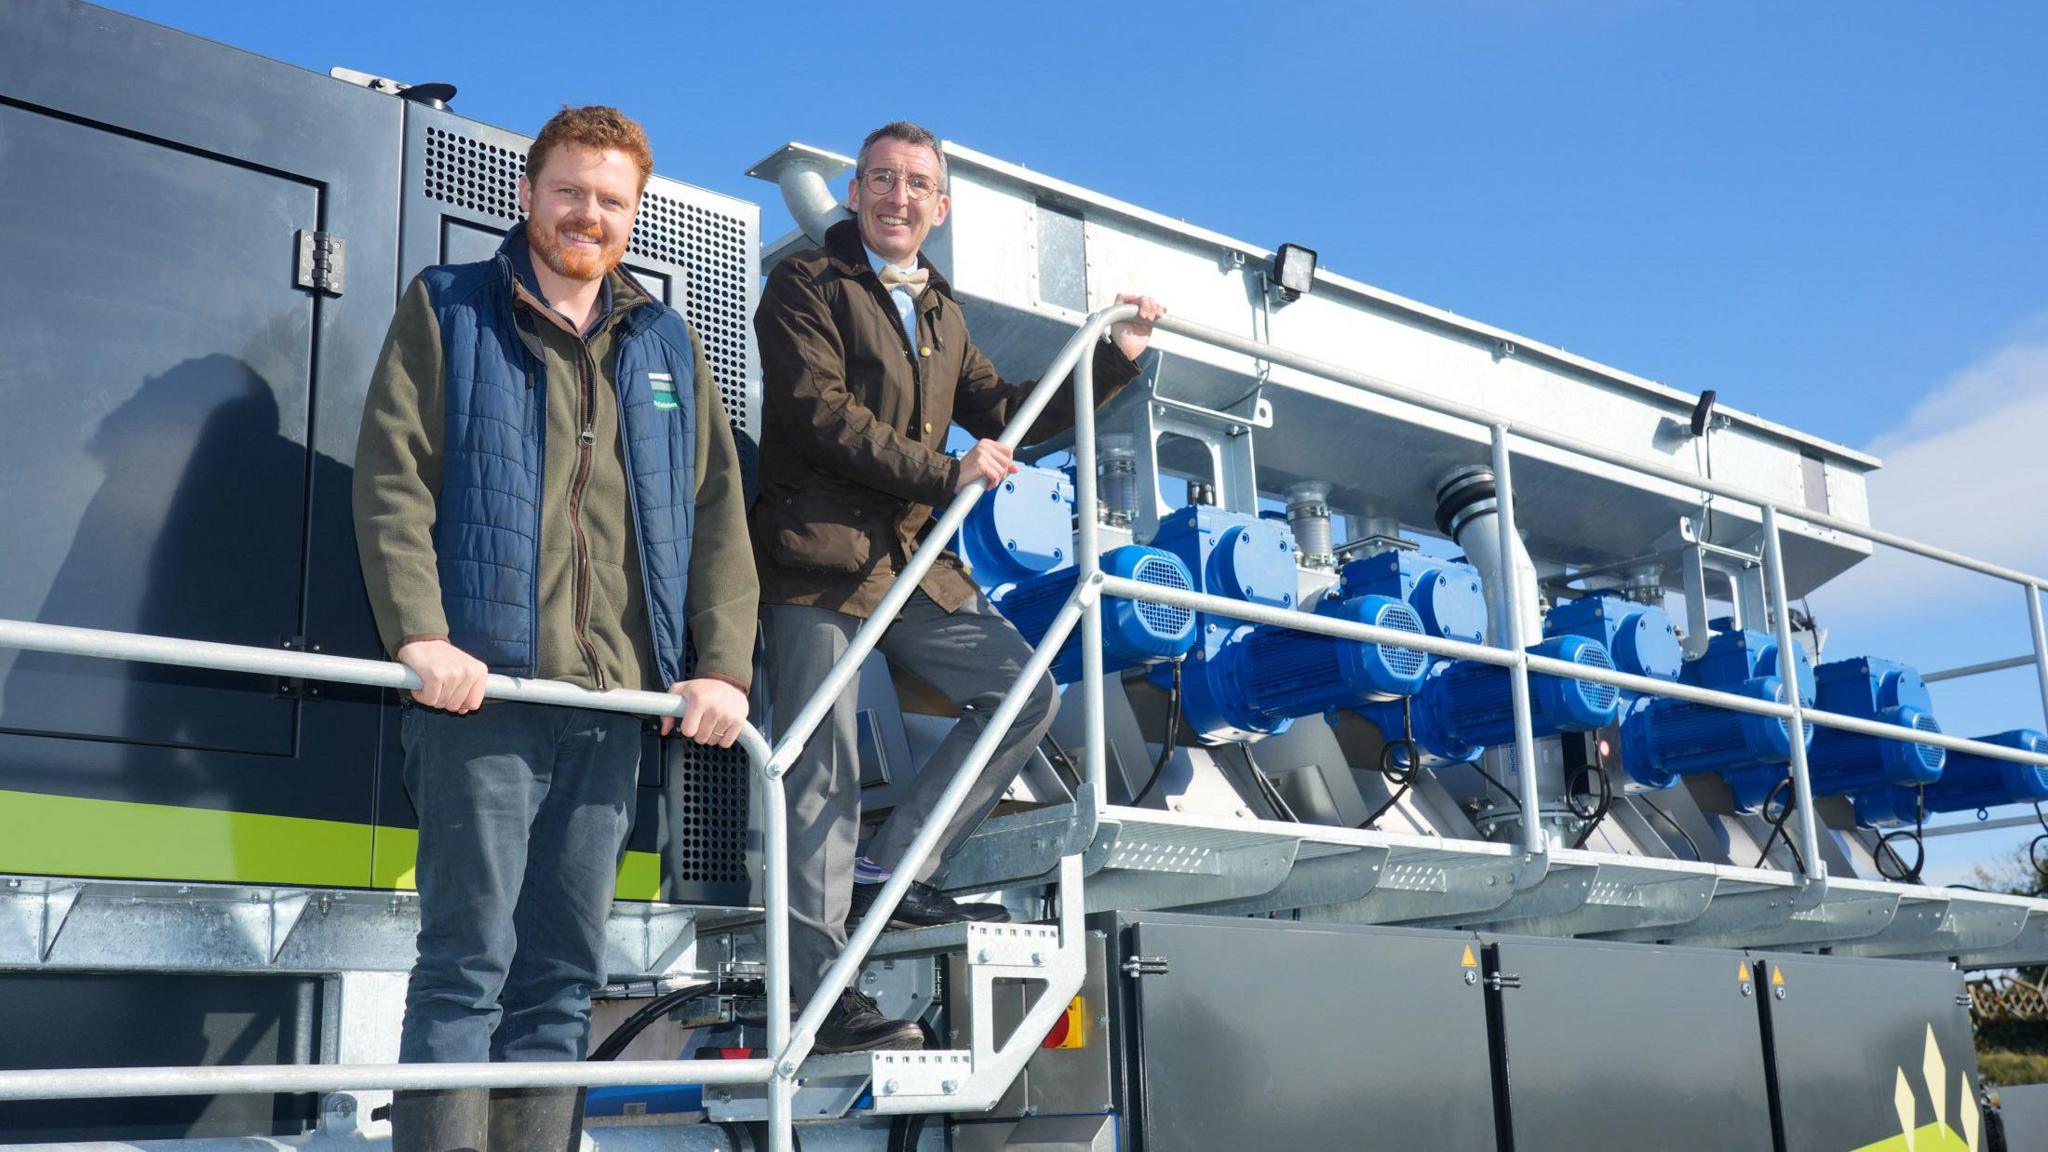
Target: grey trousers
[973, 656]
[524, 810]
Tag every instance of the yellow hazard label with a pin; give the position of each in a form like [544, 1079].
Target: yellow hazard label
[1468, 960]
[1742, 972]
[1777, 976]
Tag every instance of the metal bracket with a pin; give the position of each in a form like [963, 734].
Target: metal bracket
[1145, 966]
[1501, 981]
[322, 261]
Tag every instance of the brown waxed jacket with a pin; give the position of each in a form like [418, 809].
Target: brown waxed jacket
[854, 422]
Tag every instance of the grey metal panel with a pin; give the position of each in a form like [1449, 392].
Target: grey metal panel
[187, 414]
[1262, 1034]
[86, 1020]
[1861, 1045]
[1626, 1046]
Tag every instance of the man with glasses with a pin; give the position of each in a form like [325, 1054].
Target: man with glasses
[866, 365]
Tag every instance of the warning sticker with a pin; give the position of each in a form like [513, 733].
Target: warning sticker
[1742, 972]
[1468, 960]
[1777, 976]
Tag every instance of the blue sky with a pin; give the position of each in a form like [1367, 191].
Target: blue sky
[1830, 213]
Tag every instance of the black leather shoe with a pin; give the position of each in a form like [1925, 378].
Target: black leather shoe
[924, 906]
[856, 1025]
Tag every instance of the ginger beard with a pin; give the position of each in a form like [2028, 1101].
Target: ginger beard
[592, 261]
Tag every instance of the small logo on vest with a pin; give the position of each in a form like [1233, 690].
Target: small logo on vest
[663, 386]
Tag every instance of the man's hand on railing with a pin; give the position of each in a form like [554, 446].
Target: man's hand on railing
[987, 460]
[1133, 336]
[713, 712]
[450, 679]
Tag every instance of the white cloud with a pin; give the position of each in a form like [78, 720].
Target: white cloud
[1966, 470]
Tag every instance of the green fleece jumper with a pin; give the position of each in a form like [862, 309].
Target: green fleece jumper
[594, 630]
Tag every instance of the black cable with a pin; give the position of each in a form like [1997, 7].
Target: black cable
[1401, 774]
[1905, 874]
[1383, 809]
[1063, 765]
[1596, 771]
[1165, 746]
[2034, 847]
[1778, 824]
[1503, 789]
[1676, 827]
[1270, 790]
[630, 1028]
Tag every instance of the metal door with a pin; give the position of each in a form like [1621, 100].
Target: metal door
[179, 424]
[1266, 1034]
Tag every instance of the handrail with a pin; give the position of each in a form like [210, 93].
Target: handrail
[47, 1084]
[1812, 865]
[791, 1043]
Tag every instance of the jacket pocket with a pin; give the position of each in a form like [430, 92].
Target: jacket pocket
[815, 530]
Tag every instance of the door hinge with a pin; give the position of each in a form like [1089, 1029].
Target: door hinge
[1499, 981]
[323, 261]
[1145, 966]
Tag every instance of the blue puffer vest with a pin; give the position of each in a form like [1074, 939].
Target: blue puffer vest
[487, 528]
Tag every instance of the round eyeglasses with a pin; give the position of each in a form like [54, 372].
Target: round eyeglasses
[882, 181]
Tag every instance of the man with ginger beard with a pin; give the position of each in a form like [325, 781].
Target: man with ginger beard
[546, 487]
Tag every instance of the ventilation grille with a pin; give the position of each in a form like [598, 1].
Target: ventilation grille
[1930, 756]
[707, 810]
[714, 248]
[1163, 619]
[1599, 697]
[1403, 661]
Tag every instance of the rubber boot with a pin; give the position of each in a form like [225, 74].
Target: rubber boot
[536, 1120]
[441, 1120]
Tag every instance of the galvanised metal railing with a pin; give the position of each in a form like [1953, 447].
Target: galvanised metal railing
[791, 1042]
[80, 1083]
[1519, 664]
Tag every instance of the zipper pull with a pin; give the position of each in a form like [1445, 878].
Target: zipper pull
[589, 435]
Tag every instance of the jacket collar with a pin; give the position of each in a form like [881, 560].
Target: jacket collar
[845, 249]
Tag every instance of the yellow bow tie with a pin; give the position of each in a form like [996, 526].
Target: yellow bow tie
[915, 279]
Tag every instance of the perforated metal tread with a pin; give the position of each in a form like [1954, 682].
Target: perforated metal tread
[1141, 859]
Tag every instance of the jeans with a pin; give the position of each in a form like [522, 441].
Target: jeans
[524, 810]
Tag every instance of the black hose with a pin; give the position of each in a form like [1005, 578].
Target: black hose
[1166, 745]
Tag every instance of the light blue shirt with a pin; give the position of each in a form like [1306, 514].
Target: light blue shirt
[906, 307]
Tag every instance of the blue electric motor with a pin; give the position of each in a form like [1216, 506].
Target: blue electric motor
[1242, 557]
[1968, 783]
[1466, 707]
[1664, 738]
[1850, 763]
[1276, 674]
[1133, 632]
[1639, 637]
[1445, 594]
[1021, 528]
[1845, 763]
